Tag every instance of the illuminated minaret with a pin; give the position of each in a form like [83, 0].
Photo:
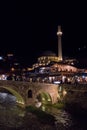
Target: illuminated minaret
[59, 33]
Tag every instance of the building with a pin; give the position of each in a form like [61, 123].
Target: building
[9, 66]
[51, 67]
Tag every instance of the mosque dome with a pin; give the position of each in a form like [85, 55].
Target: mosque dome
[48, 53]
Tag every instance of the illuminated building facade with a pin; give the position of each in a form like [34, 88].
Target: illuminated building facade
[9, 65]
[52, 63]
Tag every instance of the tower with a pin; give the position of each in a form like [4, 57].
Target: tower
[59, 34]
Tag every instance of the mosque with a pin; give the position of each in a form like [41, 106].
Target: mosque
[52, 67]
[56, 63]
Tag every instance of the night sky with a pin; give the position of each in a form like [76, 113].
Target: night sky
[30, 28]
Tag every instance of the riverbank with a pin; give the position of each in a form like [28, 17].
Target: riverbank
[76, 99]
[76, 109]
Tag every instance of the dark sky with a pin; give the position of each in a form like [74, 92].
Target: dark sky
[29, 28]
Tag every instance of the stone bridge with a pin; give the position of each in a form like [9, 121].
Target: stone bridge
[28, 93]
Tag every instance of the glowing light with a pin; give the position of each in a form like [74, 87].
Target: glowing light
[57, 82]
[43, 99]
[43, 108]
[12, 69]
[49, 99]
[20, 102]
[3, 77]
[3, 95]
[64, 93]
[38, 104]
[9, 55]
[1, 57]
[59, 33]
[83, 76]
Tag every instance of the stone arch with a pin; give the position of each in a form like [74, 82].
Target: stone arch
[19, 99]
[44, 97]
[30, 95]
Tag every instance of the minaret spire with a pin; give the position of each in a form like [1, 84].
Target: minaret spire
[59, 34]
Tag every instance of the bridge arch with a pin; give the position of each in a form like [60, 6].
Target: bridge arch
[19, 98]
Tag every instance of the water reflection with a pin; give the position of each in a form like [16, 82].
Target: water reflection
[7, 99]
[14, 118]
[9, 117]
[61, 116]
[10, 114]
[66, 121]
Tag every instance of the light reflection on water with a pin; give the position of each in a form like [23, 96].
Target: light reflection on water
[66, 121]
[6, 99]
[12, 116]
[61, 116]
[9, 112]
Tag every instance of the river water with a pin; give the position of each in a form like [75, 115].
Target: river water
[15, 118]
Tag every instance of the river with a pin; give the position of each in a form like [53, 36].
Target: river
[14, 118]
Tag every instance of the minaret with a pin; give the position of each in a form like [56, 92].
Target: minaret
[59, 33]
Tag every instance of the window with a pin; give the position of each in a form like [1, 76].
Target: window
[30, 94]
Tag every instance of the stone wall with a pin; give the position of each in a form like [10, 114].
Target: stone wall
[76, 98]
